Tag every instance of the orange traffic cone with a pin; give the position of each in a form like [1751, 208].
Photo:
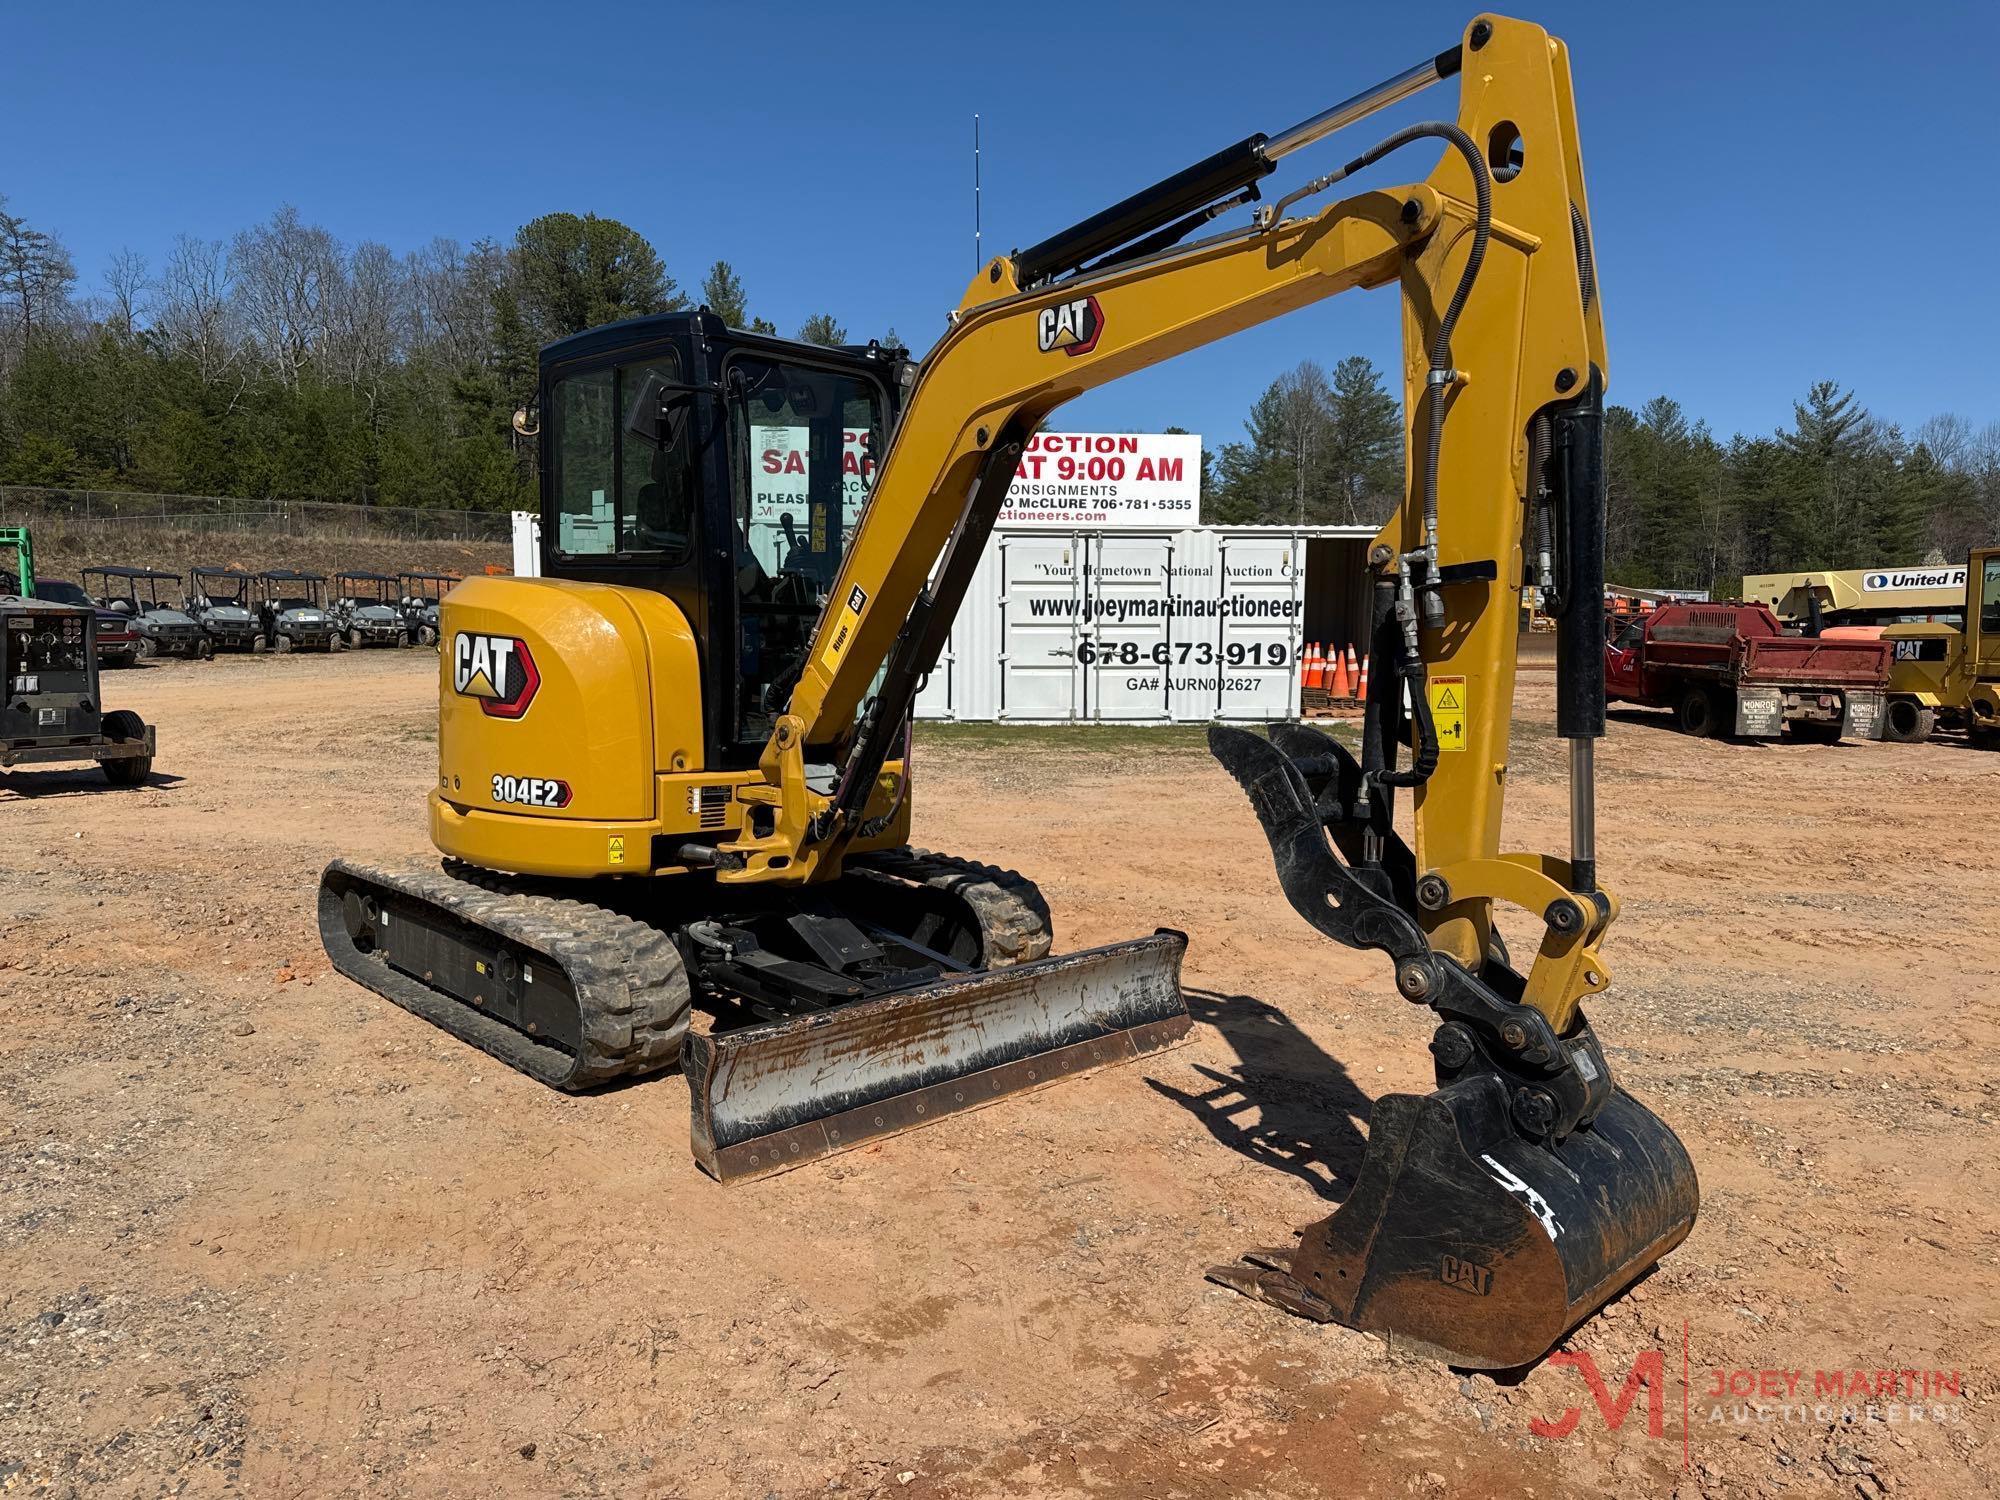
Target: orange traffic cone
[1353, 670]
[1340, 683]
[1361, 686]
[1309, 666]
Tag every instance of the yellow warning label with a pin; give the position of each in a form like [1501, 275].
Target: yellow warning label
[614, 849]
[1449, 701]
[841, 635]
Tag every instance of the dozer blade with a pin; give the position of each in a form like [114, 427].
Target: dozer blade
[771, 1097]
[1468, 1242]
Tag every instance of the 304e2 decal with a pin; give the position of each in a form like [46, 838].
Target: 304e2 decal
[498, 670]
[531, 791]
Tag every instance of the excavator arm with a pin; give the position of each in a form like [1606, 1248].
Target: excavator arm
[1521, 359]
[1528, 1180]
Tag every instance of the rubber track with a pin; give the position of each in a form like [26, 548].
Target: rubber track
[1013, 919]
[628, 976]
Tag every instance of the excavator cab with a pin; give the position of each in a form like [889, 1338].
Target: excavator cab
[724, 470]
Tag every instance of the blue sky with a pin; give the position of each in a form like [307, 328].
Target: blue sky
[1780, 193]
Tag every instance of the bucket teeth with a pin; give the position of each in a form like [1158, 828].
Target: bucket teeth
[1272, 1258]
[1273, 1286]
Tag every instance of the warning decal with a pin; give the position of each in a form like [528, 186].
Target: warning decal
[1449, 700]
[841, 636]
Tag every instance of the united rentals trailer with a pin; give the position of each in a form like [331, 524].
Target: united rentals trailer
[1863, 596]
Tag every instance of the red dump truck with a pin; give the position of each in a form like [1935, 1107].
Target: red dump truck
[1733, 669]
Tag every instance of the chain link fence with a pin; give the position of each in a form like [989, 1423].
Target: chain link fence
[102, 514]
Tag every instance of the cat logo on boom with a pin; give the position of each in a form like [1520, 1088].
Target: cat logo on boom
[498, 670]
[1072, 327]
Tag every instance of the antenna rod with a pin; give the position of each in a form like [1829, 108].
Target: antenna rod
[978, 255]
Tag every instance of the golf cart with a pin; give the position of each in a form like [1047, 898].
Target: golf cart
[48, 666]
[421, 593]
[117, 641]
[291, 611]
[368, 610]
[221, 601]
[145, 596]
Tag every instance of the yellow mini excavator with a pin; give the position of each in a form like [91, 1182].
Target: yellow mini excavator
[675, 771]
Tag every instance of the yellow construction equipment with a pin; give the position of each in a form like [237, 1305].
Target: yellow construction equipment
[676, 769]
[1947, 674]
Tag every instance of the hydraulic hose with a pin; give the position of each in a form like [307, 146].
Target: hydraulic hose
[1423, 731]
[1415, 596]
[1541, 528]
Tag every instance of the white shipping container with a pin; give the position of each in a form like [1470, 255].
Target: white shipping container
[1152, 627]
[1130, 626]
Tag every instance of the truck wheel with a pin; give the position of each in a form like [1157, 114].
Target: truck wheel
[205, 649]
[284, 645]
[148, 648]
[1908, 722]
[1698, 714]
[354, 638]
[123, 724]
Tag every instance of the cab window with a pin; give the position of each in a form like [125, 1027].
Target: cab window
[621, 466]
[804, 445]
[1989, 596]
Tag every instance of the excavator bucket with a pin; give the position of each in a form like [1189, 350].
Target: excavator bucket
[770, 1097]
[1491, 1216]
[1469, 1243]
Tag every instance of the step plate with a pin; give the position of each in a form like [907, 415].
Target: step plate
[769, 1098]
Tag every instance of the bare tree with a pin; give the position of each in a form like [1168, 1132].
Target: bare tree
[193, 315]
[288, 274]
[366, 317]
[1949, 438]
[36, 275]
[125, 286]
[450, 301]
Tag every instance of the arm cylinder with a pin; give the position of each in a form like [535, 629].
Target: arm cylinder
[1367, 102]
[1580, 480]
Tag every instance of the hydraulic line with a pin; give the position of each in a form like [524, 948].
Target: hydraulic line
[1417, 598]
[1538, 508]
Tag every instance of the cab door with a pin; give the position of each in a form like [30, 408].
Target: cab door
[1622, 660]
[1982, 619]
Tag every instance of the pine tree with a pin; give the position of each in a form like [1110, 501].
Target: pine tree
[1364, 454]
[576, 273]
[820, 328]
[722, 290]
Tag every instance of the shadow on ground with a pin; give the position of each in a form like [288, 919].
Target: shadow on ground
[1287, 1104]
[74, 781]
